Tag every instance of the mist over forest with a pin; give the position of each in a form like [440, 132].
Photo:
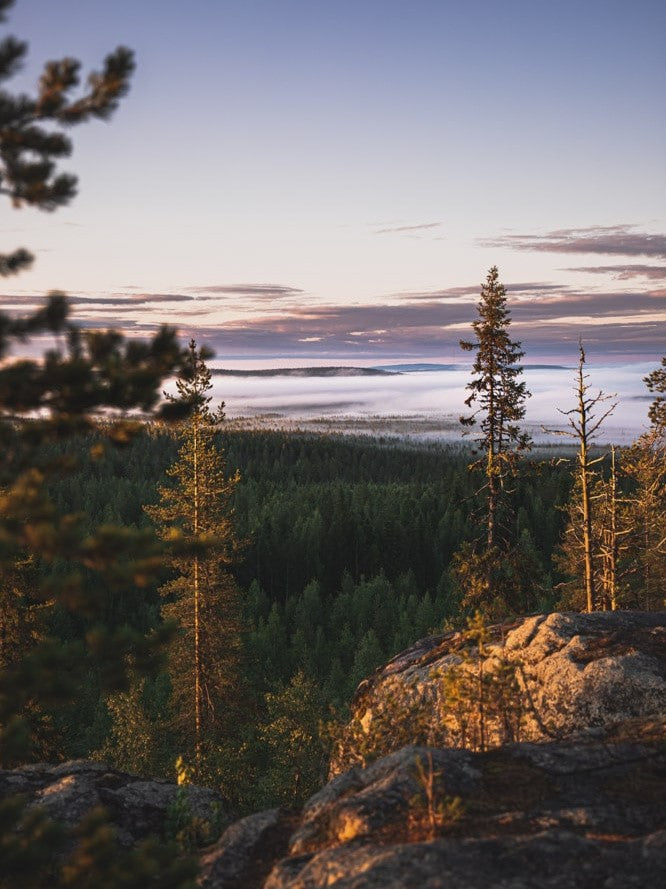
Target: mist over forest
[431, 396]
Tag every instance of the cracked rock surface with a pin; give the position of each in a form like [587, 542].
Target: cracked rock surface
[570, 815]
[577, 672]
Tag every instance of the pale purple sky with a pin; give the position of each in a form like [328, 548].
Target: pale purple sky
[333, 181]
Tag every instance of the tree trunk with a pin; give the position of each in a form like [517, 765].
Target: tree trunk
[197, 652]
[585, 490]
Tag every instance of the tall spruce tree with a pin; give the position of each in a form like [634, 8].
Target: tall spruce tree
[202, 598]
[498, 399]
[497, 396]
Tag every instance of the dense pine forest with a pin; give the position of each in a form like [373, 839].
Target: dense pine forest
[345, 542]
[344, 559]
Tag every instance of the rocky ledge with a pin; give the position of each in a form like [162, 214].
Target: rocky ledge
[137, 808]
[539, 678]
[530, 754]
[563, 786]
[585, 815]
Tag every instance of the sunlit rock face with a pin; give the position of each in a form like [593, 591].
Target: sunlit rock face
[570, 673]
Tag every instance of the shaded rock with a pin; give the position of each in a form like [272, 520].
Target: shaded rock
[136, 807]
[569, 815]
[550, 860]
[245, 852]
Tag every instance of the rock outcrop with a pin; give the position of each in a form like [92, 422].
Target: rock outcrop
[584, 815]
[571, 673]
[575, 801]
[136, 807]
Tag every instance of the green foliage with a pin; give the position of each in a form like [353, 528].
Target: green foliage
[136, 739]
[39, 853]
[499, 399]
[643, 518]
[52, 567]
[482, 695]
[476, 703]
[202, 598]
[32, 137]
[500, 582]
[404, 718]
[498, 396]
[291, 750]
[190, 832]
[336, 629]
[656, 382]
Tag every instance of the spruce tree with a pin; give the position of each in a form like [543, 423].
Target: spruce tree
[644, 517]
[498, 399]
[656, 382]
[497, 395]
[202, 598]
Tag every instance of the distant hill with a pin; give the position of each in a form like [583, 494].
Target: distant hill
[425, 367]
[351, 371]
[305, 372]
[548, 367]
[417, 368]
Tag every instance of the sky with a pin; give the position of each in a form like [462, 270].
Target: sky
[330, 182]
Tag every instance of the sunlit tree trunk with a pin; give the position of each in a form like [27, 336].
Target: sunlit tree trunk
[202, 597]
[584, 470]
[196, 596]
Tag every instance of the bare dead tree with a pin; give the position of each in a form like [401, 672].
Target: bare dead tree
[584, 422]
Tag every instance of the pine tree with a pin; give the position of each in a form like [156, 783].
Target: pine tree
[644, 465]
[31, 128]
[91, 371]
[616, 530]
[202, 598]
[81, 375]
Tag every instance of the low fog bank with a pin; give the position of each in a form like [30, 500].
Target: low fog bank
[425, 404]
